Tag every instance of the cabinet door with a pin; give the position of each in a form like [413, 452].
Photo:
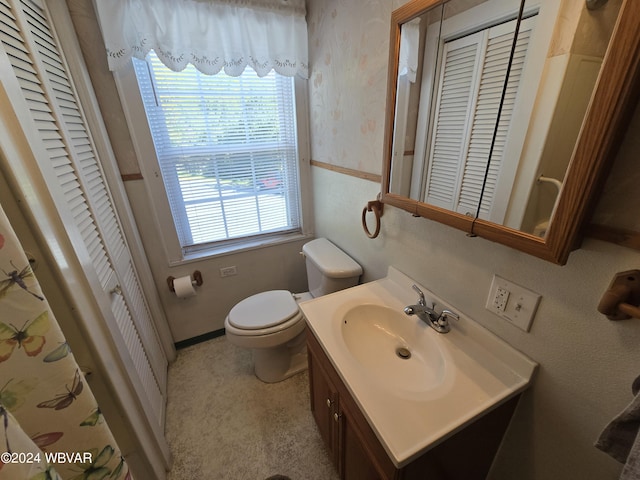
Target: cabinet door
[355, 462]
[324, 404]
[341, 424]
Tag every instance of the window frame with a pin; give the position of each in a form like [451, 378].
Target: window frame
[148, 164]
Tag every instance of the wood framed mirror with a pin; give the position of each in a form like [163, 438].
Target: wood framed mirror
[604, 106]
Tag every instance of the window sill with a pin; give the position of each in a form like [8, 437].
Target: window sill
[231, 249]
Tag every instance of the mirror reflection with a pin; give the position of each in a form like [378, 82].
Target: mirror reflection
[490, 98]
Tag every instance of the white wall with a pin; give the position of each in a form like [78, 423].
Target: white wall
[587, 363]
[275, 267]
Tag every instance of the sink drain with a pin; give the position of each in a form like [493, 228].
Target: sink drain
[403, 353]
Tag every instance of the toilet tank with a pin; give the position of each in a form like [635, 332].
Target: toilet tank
[329, 269]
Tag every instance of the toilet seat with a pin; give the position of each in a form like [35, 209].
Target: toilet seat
[264, 313]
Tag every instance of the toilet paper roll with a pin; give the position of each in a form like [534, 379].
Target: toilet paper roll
[184, 287]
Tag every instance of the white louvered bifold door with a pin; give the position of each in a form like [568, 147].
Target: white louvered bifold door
[499, 44]
[33, 50]
[469, 92]
[455, 102]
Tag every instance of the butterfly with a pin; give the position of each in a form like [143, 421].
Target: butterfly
[12, 397]
[96, 470]
[17, 278]
[58, 353]
[30, 337]
[46, 439]
[93, 419]
[63, 400]
[48, 474]
[118, 470]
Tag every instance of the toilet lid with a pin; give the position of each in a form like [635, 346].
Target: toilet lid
[263, 310]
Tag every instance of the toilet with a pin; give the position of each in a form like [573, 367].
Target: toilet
[271, 324]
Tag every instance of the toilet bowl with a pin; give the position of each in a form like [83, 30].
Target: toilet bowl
[271, 324]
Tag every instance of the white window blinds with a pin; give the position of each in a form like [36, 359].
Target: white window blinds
[469, 92]
[227, 151]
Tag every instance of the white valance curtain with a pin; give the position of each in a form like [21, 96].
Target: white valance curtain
[211, 34]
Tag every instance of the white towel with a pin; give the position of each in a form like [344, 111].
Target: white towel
[409, 49]
[620, 438]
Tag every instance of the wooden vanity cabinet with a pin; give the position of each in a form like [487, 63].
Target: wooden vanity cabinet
[357, 453]
[352, 446]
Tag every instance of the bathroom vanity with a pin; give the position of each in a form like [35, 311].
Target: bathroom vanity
[394, 399]
[357, 453]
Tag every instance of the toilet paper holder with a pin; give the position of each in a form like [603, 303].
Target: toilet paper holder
[196, 279]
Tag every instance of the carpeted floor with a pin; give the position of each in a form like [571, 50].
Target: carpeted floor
[224, 423]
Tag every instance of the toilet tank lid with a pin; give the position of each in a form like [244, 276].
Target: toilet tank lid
[330, 260]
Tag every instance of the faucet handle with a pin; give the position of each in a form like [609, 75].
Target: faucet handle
[446, 314]
[419, 292]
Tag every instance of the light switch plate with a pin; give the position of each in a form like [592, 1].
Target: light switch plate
[512, 302]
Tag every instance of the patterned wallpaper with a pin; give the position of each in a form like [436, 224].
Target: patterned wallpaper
[348, 54]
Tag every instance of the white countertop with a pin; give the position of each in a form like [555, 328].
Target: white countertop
[481, 371]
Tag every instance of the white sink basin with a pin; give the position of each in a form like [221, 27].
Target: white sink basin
[393, 349]
[448, 381]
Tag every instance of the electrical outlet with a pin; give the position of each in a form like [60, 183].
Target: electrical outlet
[228, 271]
[501, 299]
[512, 302]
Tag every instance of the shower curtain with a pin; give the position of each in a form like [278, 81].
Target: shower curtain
[50, 423]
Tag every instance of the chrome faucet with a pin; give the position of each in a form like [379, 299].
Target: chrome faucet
[438, 321]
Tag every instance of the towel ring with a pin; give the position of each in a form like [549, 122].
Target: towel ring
[375, 206]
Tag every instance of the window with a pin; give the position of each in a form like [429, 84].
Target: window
[227, 150]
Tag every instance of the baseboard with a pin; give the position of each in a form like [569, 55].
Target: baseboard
[200, 338]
